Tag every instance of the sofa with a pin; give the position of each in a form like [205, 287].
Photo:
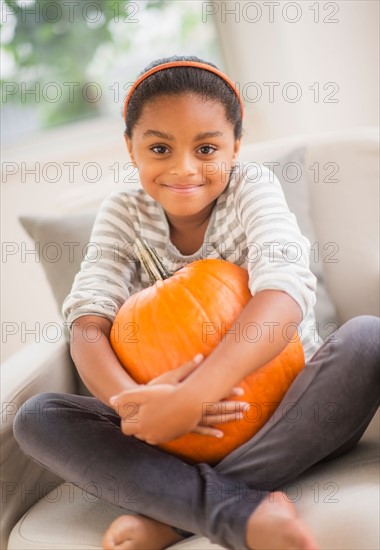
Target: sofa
[331, 183]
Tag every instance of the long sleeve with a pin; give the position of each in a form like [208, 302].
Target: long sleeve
[108, 272]
[277, 253]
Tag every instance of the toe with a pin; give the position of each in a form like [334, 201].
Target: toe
[117, 534]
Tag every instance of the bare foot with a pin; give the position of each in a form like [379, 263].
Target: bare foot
[275, 524]
[136, 532]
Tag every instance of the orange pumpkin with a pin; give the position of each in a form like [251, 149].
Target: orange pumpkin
[167, 324]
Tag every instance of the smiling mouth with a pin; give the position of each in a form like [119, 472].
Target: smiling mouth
[185, 189]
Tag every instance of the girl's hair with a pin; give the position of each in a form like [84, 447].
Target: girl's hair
[179, 80]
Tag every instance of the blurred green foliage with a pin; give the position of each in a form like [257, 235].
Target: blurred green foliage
[55, 41]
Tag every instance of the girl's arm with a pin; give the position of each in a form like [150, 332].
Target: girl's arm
[103, 283]
[95, 359]
[261, 332]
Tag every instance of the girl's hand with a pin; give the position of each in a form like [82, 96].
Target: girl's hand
[214, 413]
[219, 413]
[179, 374]
[157, 413]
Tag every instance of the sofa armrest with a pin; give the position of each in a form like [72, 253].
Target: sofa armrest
[36, 368]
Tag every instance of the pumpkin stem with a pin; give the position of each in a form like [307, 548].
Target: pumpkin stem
[151, 262]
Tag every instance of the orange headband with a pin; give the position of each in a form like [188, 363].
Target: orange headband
[182, 64]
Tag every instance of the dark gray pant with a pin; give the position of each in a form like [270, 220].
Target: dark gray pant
[323, 415]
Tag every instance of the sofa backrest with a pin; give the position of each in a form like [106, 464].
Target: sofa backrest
[342, 170]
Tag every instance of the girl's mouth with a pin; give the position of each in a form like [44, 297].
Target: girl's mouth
[183, 189]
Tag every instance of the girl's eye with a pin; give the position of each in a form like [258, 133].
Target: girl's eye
[159, 149]
[207, 149]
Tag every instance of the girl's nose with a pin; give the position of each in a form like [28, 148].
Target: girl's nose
[183, 165]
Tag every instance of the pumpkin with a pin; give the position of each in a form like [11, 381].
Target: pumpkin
[165, 325]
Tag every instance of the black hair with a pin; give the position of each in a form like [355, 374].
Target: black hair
[178, 80]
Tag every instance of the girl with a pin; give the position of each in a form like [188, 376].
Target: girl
[183, 129]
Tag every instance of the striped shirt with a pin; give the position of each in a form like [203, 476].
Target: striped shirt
[250, 225]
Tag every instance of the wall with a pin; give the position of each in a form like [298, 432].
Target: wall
[291, 42]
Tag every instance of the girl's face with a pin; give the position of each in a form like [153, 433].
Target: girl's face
[184, 149]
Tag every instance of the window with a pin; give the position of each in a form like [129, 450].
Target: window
[67, 61]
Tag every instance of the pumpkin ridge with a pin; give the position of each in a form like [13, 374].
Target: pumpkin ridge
[222, 287]
[194, 300]
[135, 316]
[153, 316]
[171, 315]
[224, 283]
